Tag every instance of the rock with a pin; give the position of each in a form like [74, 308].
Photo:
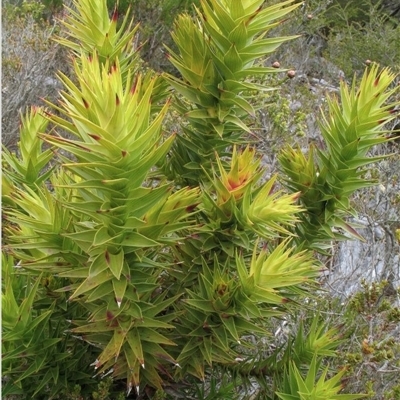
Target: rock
[52, 83]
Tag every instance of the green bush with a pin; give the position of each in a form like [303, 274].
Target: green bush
[355, 32]
[24, 9]
[155, 258]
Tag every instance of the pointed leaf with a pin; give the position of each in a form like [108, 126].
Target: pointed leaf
[119, 286]
[135, 344]
[91, 283]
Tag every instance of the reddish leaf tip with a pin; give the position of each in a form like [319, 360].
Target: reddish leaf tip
[115, 15]
[109, 315]
[133, 90]
[94, 136]
[191, 207]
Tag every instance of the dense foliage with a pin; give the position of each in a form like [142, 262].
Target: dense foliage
[156, 258]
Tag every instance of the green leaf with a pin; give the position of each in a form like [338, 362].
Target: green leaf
[150, 335]
[35, 367]
[98, 265]
[119, 285]
[41, 319]
[101, 237]
[135, 343]
[27, 303]
[113, 348]
[50, 375]
[233, 59]
[91, 282]
[229, 323]
[146, 322]
[115, 262]
[133, 379]
[204, 305]
[157, 351]
[94, 327]
[101, 292]
[206, 350]
[137, 240]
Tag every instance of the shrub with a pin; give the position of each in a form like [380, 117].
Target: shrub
[354, 32]
[155, 257]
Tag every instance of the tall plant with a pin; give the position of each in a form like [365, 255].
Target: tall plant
[327, 177]
[218, 53]
[157, 278]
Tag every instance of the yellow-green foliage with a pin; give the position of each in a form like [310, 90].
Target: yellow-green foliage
[155, 280]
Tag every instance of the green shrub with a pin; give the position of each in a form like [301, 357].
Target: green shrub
[33, 9]
[355, 32]
[155, 258]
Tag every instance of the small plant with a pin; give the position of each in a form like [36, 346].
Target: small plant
[368, 348]
[152, 258]
[311, 388]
